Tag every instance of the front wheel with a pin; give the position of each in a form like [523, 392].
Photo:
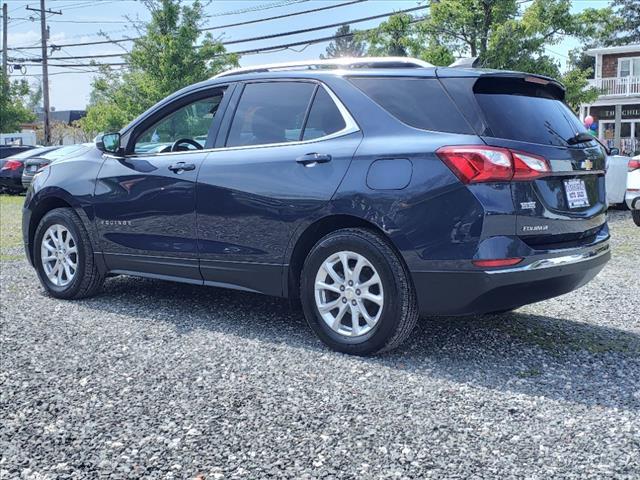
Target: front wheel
[63, 256]
[356, 293]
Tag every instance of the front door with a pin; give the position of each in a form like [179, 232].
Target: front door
[145, 202]
[282, 154]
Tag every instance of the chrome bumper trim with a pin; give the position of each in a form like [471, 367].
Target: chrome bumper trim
[596, 251]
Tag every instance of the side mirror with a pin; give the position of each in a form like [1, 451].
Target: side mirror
[614, 151]
[109, 143]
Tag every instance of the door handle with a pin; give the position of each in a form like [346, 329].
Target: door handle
[182, 167]
[312, 159]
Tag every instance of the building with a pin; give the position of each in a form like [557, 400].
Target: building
[617, 110]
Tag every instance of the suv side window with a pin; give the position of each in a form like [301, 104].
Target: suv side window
[191, 122]
[324, 117]
[270, 112]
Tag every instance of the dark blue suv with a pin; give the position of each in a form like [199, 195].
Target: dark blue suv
[372, 193]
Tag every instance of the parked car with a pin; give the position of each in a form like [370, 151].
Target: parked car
[11, 169]
[616, 178]
[371, 195]
[9, 150]
[37, 163]
[632, 197]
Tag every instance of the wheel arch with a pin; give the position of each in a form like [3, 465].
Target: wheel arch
[312, 234]
[43, 203]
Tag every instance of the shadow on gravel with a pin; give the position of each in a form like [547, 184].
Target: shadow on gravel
[530, 354]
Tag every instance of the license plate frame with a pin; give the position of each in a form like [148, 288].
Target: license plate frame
[576, 193]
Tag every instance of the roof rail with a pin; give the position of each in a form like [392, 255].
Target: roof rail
[333, 63]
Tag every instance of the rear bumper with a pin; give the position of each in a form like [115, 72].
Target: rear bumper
[538, 278]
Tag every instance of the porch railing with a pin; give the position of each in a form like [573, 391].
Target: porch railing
[617, 86]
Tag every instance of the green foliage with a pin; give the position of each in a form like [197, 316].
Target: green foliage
[14, 99]
[345, 45]
[171, 54]
[395, 37]
[625, 28]
[504, 34]
[576, 82]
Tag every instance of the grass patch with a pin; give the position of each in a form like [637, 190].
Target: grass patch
[10, 224]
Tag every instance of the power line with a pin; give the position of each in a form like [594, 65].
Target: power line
[253, 51]
[207, 29]
[262, 37]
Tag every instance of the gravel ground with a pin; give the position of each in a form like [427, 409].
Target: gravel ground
[158, 380]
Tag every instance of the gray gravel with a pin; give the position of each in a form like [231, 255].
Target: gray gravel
[159, 380]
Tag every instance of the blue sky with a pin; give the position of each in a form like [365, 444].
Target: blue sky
[82, 20]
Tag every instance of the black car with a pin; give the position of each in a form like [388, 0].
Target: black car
[38, 162]
[370, 190]
[8, 150]
[11, 168]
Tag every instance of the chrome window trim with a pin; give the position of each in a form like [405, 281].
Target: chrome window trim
[350, 127]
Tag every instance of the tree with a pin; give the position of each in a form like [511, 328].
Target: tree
[627, 15]
[346, 44]
[13, 104]
[504, 34]
[395, 37]
[171, 54]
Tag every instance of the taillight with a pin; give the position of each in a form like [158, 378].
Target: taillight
[476, 164]
[634, 165]
[12, 165]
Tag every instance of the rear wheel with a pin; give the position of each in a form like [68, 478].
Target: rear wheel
[635, 214]
[63, 256]
[356, 293]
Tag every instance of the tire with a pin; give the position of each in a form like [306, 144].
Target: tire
[635, 214]
[394, 316]
[86, 279]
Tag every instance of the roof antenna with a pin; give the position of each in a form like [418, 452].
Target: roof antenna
[466, 62]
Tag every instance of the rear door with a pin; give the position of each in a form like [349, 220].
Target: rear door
[283, 149]
[527, 114]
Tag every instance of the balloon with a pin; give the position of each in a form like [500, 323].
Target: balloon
[594, 126]
[588, 120]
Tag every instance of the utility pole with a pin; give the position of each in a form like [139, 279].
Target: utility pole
[45, 67]
[5, 23]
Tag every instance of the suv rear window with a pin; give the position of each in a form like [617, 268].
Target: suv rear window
[418, 102]
[518, 110]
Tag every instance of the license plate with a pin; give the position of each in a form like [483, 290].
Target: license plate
[33, 168]
[576, 193]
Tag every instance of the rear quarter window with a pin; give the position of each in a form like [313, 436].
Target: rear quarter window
[418, 102]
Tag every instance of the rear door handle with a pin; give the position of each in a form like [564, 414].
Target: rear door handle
[182, 167]
[312, 159]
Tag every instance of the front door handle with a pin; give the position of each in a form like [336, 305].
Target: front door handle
[312, 159]
[182, 167]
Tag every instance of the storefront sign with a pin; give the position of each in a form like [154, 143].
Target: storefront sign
[629, 112]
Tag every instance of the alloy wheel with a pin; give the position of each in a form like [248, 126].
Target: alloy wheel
[59, 255]
[349, 294]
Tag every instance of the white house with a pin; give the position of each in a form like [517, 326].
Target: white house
[617, 109]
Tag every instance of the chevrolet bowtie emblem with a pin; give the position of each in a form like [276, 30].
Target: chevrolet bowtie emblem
[587, 164]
